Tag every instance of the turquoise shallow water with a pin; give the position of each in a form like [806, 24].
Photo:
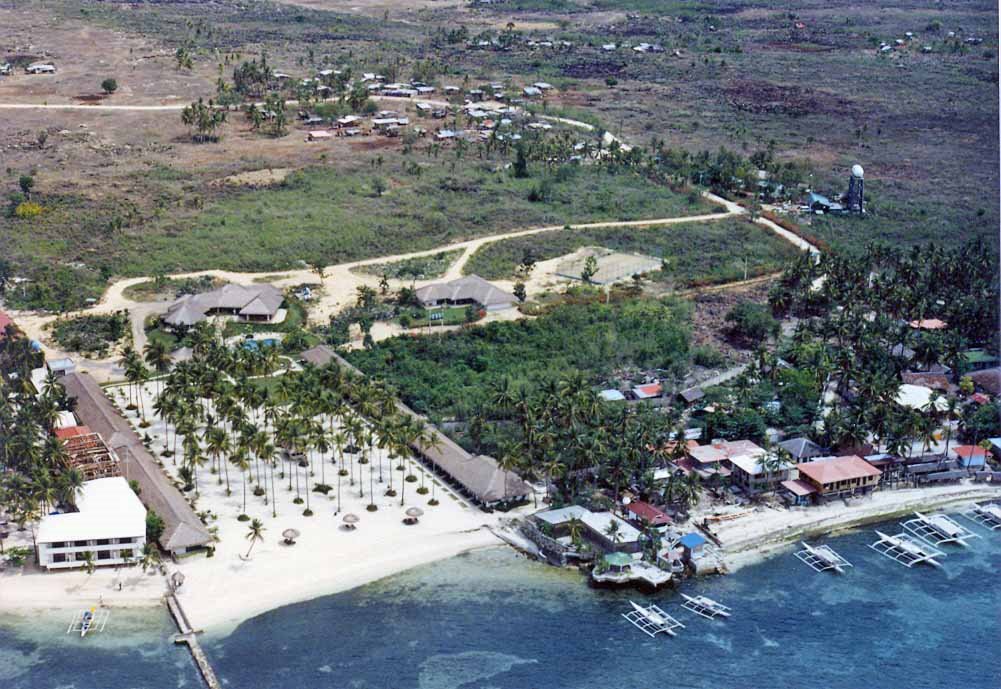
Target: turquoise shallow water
[492, 620]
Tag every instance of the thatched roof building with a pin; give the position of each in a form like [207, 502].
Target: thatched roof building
[183, 530]
[479, 476]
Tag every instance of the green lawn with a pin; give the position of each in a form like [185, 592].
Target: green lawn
[455, 315]
[696, 253]
[294, 318]
[419, 268]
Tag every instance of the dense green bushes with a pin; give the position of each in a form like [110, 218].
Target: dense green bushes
[453, 374]
[91, 334]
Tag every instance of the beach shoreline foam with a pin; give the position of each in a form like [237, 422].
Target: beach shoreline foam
[224, 591]
[765, 533]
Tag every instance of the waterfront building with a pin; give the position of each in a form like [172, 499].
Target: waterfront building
[109, 524]
[838, 476]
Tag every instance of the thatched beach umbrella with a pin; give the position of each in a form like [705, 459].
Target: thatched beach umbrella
[176, 580]
[290, 535]
[350, 520]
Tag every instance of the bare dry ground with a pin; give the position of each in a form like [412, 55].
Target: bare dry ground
[84, 56]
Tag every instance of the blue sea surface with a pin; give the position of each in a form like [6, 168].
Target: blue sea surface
[493, 620]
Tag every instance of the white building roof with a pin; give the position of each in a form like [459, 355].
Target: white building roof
[751, 463]
[108, 508]
[65, 419]
[599, 522]
[563, 514]
[917, 397]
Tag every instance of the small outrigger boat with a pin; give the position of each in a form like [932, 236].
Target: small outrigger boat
[651, 620]
[822, 558]
[86, 621]
[905, 550]
[706, 607]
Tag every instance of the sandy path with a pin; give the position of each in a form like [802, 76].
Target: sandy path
[340, 281]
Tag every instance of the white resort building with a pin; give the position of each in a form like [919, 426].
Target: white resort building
[110, 524]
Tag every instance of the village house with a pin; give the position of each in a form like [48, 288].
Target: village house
[716, 457]
[836, 477]
[761, 472]
[40, 68]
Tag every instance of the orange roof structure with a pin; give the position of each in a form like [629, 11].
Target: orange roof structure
[71, 432]
[648, 513]
[827, 471]
[929, 324]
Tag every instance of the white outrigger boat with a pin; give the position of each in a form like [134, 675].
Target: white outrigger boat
[938, 529]
[906, 550]
[988, 516]
[704, 606]
[651, 620]
[87, 621]
[822, 558]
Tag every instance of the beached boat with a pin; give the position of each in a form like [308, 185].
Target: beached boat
[86, 622]
[988, 516]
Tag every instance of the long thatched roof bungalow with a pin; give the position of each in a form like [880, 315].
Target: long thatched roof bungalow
[183, 530]
[248, 302]
[479, 476]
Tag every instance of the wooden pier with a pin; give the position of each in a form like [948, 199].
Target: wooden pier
[189, 636]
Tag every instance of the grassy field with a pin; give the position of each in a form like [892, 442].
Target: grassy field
[808, 77]
[695, 253]
[130, 195]
[320, 214]
[419, 268]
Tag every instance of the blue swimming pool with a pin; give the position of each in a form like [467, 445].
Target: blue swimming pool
[258, 344]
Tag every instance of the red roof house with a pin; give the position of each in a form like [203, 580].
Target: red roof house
[839, 475]
[5, 320]
[646, 512]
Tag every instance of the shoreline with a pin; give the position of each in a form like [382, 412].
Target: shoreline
[218, 603]
[218, 613]
[762, 535]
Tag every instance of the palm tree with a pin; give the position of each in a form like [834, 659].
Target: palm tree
[89, 562]
[217, 444]
[613, 532]
[157, 356]
[150, 557]
[255, 533]
[242, 463]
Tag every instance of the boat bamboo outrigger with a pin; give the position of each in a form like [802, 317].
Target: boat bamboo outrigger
[906, 550]
[821, 558]
[651, 620]
[938, 529]
[87, 621]
[706, 607]
[987, 516]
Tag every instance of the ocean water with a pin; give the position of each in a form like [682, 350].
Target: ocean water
[494, 620]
